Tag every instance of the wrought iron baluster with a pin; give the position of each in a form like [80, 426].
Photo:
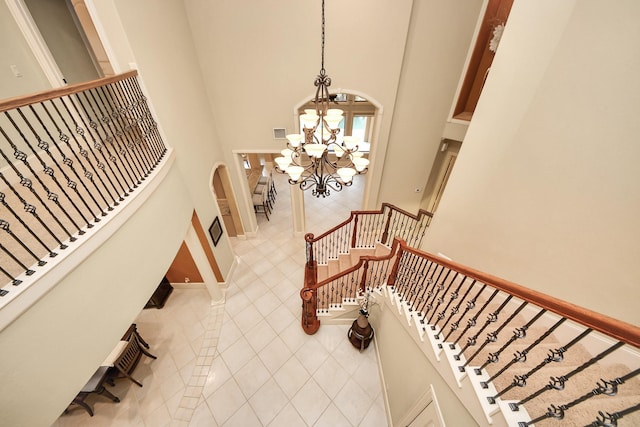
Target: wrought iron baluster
[149, 123]
[557, 383]
[427, 289]
[27, 183]
[126, 127]
[418, 283]
[441, 298]
[393, 227]
[94, 146]
[608, 388]
[65, 138]
[84, 153]
[68, 162]
[121, 155]
[116, 129]
[402, 274]
[438, 292]
[424, 224]
[409, 273]
[518, 333]
[43, 145]
[109, 160]
[456, 308]
[22, 222]
[323, 302]
[14, 280]
[46, 169]
[491, 318]
[472, 322]
[493, 336]
[471, 304]
[452, 297]
[402, 225]
[4, 225]
[556, 356]
[353, 286]
[611, 419]
[521, 356]
[115, 137]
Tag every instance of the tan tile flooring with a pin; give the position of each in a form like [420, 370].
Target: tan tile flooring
[247, 362]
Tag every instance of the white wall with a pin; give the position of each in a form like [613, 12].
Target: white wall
[546, 190]
[257, 69]
[51, 351]
[407, 371]
[438, 41]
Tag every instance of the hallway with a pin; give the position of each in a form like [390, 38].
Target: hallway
[248, 362]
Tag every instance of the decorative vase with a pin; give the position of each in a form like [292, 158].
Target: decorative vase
[361, 333]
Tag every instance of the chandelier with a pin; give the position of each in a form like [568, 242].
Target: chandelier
[319, 157]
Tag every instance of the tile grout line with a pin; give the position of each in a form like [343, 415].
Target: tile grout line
[194, 389]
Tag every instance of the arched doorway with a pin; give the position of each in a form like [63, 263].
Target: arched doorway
[363, 118]
[223, 193]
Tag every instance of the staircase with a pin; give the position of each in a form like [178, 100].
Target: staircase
[513, 356]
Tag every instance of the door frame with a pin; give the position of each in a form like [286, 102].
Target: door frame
[36, 42]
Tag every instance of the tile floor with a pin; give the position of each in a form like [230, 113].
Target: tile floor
[248, 362]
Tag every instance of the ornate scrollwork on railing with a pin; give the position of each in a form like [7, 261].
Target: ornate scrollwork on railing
[77, 152]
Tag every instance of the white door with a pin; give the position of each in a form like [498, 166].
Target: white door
[428, 417]
[424, 413]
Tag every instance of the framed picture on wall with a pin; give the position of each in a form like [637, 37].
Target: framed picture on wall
[215, 231]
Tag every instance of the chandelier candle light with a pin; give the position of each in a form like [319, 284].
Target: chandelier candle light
[306, 158]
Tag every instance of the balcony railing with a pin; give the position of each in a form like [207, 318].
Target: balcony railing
[68, 158]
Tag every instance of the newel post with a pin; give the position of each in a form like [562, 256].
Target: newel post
[309, 293]
[391, 281]
[354, 232]
[363, 281]
[308, 238]
[385, 233]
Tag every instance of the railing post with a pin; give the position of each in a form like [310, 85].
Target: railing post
[309, 249]
[385, 233]
[394, 270]
[309, 293]
[354, 232]
[363, 281]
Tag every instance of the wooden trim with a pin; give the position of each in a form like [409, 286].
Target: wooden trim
[21, 101]
[497, 12]
[202, 237]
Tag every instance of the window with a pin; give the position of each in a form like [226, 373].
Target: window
[358, 116]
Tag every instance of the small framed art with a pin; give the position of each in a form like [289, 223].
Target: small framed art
[215, 231]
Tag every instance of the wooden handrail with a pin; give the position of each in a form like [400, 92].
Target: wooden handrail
[617, 329]
[420, 214]
[21, 101]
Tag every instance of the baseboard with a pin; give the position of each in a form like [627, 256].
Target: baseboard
[190, 285]
[385, 396]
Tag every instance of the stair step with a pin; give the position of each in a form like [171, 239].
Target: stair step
[323, 272]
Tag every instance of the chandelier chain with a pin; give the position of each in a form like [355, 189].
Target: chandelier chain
[322, 70]
[321, 158]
